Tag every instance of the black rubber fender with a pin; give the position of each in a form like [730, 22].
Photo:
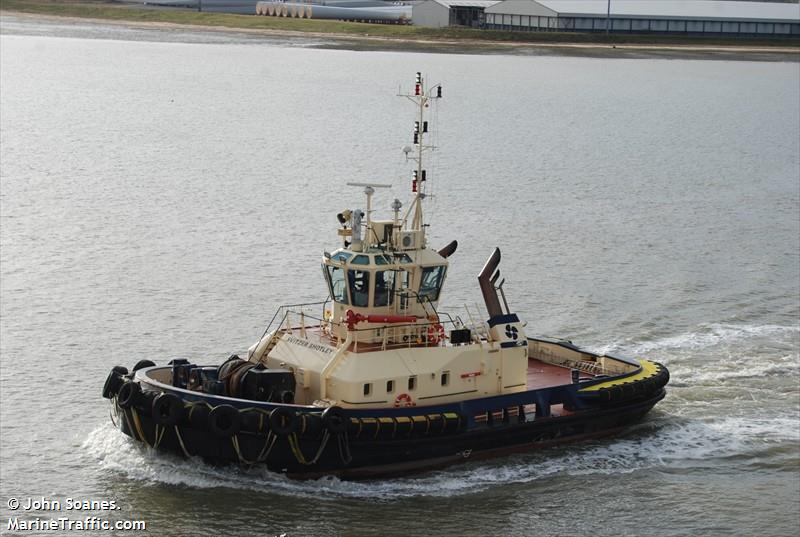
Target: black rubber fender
[311, 424]
[367, 427]
[224, 420]
[144, 401]
[167, 409]
[141, 364]
[335, 420]
[198, 415]
[452, 422]
[283, 421]
[114, 381]
[437, 423]
[128, 394]
[404, 426]
[253, 421]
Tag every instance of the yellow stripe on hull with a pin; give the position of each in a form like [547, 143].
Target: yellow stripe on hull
[649, 369]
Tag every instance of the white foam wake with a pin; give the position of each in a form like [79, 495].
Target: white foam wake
[716, 334]
[664, 441]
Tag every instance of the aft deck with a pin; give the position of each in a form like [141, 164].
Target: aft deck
[543, 375]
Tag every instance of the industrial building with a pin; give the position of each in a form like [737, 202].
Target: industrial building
[440, 13]
[672, 17]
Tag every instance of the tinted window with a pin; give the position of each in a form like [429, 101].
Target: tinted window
[431, 282]
[359, 287]
[384, 288]
[360, 260]
[341, 256]
[336, 282]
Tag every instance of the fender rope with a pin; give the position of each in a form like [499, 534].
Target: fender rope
[180, 441]
[344, 448]
[295, 446]
[235, 442]
[270, 440]
[139, 426]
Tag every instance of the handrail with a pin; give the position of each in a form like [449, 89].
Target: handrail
[285, 307]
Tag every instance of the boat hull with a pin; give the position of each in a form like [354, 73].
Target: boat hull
[361, 452]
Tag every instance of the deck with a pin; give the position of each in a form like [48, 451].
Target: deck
[542, 375]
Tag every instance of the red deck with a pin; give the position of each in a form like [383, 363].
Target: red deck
[542, 375]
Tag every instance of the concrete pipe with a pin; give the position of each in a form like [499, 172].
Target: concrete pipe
[309, 12]
[271, 10]
[260, 9]
[293, 11]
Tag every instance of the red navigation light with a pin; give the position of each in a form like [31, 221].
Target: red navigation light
[417, 88]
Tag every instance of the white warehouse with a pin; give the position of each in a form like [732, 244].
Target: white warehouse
[695, 17]
[440, 13]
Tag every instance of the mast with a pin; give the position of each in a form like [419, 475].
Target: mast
[421, 97]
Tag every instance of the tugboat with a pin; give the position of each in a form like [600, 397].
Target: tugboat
[376, 380]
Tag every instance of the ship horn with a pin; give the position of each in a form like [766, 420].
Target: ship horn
[449, 250]
[487, 287]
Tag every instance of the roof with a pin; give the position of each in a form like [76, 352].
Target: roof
[677, 9]
[467, 3]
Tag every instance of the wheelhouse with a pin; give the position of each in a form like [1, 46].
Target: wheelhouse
[382, 280]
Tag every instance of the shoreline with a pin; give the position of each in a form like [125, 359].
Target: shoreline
[367, 42]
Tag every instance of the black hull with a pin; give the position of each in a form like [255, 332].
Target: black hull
[358, 456]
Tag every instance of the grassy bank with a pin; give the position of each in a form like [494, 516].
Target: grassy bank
[119, 12]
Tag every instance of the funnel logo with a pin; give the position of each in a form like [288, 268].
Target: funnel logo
[511, 332]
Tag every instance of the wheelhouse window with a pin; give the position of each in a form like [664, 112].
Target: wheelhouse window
[341, 256]
[336, 285]
[359, 287]
[431, 283]
[384, 287]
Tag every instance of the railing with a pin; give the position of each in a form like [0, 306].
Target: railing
[426, 333]
[286, 310]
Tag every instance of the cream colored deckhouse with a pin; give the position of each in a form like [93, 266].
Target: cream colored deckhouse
[380, 341]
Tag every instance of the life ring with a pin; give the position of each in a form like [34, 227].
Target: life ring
[282, 421]
[224, 420]
[128, 394]
[435, 333]
[404, 400]
[167, 409]
[335, 420]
